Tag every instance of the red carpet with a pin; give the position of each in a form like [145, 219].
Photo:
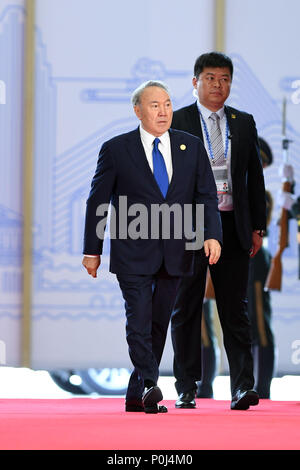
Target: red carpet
[101, 423]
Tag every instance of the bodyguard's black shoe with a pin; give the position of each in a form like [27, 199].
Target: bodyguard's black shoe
[186, 400]
[243, 399]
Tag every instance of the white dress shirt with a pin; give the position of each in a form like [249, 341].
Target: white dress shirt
[225, 200]
[164, 147]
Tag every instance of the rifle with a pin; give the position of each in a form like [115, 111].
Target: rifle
[274, 278]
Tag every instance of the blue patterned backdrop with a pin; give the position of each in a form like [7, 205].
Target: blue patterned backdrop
[78, 321]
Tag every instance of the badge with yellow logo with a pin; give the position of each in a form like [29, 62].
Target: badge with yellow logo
[182, 147]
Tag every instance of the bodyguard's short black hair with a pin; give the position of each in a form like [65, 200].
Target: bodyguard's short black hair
[212, 59]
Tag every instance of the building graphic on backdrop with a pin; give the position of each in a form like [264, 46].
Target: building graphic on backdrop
[11, 220]
[62, 179]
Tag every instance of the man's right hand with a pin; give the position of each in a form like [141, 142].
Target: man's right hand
[91, 264]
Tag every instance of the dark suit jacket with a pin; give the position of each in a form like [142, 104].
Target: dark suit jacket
[246, 169]
[123, 170]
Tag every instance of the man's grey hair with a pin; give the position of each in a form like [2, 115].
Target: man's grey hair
[136, 95]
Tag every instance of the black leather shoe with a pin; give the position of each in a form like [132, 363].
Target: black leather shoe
[243, 399]
[156, 409]
[186, 400]
[134, 405]
[137, 406]
[152, 396]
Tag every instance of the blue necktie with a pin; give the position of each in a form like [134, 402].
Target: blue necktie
[159, 168]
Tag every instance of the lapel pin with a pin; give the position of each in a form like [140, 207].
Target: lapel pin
[233, 116]
[182, 147]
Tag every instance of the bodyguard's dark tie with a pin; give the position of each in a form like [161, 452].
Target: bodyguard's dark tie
[159, 168]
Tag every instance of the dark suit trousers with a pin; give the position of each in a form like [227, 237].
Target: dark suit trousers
[230, 278]
[149, 301]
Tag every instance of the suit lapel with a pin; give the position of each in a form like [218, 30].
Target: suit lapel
[233, 123]
[137, 154]
[194, 118]
[177, 160]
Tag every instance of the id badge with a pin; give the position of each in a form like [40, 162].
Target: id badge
[221, 179]
[222, 187]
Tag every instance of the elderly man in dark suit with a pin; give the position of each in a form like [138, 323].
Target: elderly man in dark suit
[151, 167]
[230, 138]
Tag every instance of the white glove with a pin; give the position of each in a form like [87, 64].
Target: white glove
[286, 200]
[286, 172]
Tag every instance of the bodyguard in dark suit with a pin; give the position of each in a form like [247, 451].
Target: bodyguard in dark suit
[152, 166]
[230, 138]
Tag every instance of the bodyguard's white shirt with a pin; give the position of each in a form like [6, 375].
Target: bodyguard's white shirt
[164, 147]
[225, 200]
